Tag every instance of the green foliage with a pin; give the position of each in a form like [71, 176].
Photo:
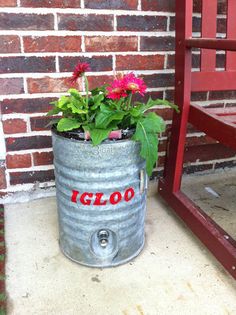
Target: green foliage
[99, 115]
[147, 129]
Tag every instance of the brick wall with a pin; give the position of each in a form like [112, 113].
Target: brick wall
[40, 43]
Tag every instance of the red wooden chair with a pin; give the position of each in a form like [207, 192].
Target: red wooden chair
[210, 121]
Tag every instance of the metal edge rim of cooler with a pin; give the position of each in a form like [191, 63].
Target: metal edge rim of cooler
[122, 262]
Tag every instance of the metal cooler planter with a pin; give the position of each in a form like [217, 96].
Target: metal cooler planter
[101, 198]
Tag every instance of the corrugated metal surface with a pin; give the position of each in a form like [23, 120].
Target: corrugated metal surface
[112, 232]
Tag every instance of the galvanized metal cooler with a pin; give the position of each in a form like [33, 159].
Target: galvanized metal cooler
[101, 198]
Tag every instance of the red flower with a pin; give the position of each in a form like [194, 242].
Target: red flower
[126, 84]
[80, 69]
[116, 90]
[134, 84]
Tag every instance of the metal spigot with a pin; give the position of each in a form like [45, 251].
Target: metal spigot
[103, 236]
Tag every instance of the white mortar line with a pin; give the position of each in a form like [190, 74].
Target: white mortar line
[115, 22]
[139, 5]
[114, 65]
[18, 3]
[7, 176]
[25, 85]
[57, 63]
[139, 45]
[28, 125]
[31, 151]
[2, 142]
[85, 54]
[15, 116]
[168, 24]
[90, 74]
[80, 33]
[83, 47]
[165, 61]
[83, 11]
[31, 134]
[21, 45]
[55, 21]
[82, 4]
[32, 168]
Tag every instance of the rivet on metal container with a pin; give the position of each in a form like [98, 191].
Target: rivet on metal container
[101, 198]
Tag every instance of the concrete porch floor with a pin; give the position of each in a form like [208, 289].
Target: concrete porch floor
[174, 274]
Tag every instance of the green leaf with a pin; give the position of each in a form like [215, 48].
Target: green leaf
[147, 129]
[63, 101]
[75, 93]
[52, 122]
[106, 116]
[156, 102]
[66, 124]
[136, 112]
[76, 109]
[54, 111]
[97, 101]
[99, 89]
[153, 123]
[98, 135]
[149, 145]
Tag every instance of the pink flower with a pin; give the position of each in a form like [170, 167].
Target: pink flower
[80, 69]
[134, 84]
[116, 90]
[127, 84]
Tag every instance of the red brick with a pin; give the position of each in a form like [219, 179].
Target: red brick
[138, 62]
[28, 143]
[158, 5]
[95, 81]
[207, 152]
[18, 160]
[154, 95]
[31, 177]
[3, 183]
[52, 44]
[8, 3]
[19, 21]
[196, 24]
[141, 23]
[159, 80]
[43, 158]
[39, 123]
[220, 95]
[112, 4]
[11, 86]
[195, 61]
[96, 63]
[190, 169]
[11, 126]
[50, 85]
[197, 5]
[160, 43]
[165, 113]
[222, 6]
[9, 44]
[161, 161]
[85, 22]
[111, 43]
[27, 64]
[28, 105]
[193, 141]
[51, 4]
[221, 25]
[225, 164]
